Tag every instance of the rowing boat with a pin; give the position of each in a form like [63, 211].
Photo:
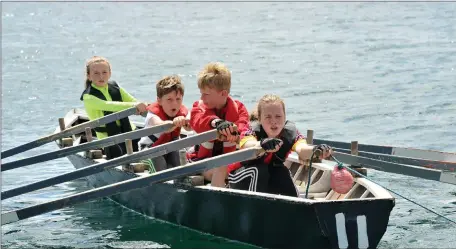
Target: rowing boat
[326, 219]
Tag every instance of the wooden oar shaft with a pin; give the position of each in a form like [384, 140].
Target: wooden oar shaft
[403, 169]
[441, 165]
[68, 132]
[84, 147]
[361, 147]
[391, 150]
[131, 184]
[93, 169]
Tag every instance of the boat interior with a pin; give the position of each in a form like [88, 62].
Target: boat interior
[319, 189]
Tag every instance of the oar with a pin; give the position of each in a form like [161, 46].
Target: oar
[442, 165]
[131, 184]
[86, 146]
[403, 169]
[99, 167]
[391, 150]
[361, 147]
[68, 132]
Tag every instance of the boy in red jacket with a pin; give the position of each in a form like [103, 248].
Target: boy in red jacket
[217, 110]
[167, 109]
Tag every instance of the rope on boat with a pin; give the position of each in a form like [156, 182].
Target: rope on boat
[341, 165]
[310, 171]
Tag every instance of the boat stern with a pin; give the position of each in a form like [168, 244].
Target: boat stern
[354, 223]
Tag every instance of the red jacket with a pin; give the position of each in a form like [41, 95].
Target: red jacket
[156, 109]
[201, 117]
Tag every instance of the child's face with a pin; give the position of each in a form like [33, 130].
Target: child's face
[272, 118]
[171, 103]
[99, 73]
[213, 98]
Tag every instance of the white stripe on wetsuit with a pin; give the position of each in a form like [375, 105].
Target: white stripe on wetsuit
[249, 172]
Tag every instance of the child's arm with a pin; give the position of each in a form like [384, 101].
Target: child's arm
[156, 120]
[243, 122]
[301, 147]
[94, 103]
[305, 151]
[126, 97]
[179, 121]
[200, 119]
[269, 145]
[188, 127]
[248, 138]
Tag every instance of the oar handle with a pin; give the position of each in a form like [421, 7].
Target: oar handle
[223, 137]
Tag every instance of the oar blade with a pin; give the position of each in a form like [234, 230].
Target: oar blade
[448, 177]
[361, 147]
[129, 185]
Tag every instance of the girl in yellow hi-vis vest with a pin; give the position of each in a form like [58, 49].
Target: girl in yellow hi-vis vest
[102, 97]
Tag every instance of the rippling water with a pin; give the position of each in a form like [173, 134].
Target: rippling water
[380, 73]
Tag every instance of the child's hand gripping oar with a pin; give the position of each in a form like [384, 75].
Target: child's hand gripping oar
[227, 131]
